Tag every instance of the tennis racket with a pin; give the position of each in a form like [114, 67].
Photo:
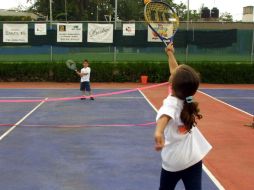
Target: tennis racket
[71, 65]
[162, 19]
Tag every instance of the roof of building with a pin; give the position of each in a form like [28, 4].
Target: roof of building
[4, 12]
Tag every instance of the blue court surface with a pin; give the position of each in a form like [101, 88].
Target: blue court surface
[59, 147]
[240, 98]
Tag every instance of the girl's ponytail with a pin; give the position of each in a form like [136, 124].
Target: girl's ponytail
[185, 83]
[189, 114]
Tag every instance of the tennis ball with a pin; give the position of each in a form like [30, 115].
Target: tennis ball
[146, 1]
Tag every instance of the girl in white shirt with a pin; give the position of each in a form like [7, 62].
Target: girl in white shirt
[182, 144]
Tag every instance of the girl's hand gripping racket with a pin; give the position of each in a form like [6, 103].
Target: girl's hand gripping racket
[71, 65]
[162, 19]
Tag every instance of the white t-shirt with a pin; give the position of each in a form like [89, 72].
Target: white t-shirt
[181, 150]
[85, 78]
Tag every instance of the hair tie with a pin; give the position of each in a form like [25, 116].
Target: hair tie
[189, 99]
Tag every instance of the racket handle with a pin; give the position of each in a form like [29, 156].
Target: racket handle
[165, 43]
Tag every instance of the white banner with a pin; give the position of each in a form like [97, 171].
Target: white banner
[40, 29]
[165, 30]
[69, 32]
[128, 29]
[15, 33]
[100, 33]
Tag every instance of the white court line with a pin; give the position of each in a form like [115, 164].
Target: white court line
[225, 103]
[235, 98]
[211, 176]
[21, 120]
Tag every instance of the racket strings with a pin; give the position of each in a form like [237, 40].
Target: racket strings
[159, 13]
[71, 65]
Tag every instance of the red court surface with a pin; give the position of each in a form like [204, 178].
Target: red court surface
[231, 160]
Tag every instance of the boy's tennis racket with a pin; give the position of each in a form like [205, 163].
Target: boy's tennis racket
[162, 19]
[71, 65]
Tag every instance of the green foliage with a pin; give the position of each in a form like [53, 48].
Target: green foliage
[227, 17]
[92, 10]
[25, 72]
[77, 10]
[131, 10]
[211, 72]
[225, 73]
[15, 18]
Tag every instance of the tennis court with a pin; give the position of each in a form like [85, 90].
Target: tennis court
[101, 144]
[226, 124]
[52, 138]
[95, 145]
[239, 98]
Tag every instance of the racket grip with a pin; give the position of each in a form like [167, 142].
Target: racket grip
[165, 43]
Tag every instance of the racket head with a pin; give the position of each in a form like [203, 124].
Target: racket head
[71, 64]
[162, 19]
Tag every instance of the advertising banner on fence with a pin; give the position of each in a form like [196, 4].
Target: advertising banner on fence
[69, 32]
[100, 33]
[40, 29]
[15, 33]
[164, 30]
[128, 29]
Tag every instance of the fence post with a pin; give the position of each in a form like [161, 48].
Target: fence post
[115, 29]
[187, 28]
[252, 48]
[51, 18]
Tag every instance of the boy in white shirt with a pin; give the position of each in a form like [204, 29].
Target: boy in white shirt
[85, 80]
[182, 144]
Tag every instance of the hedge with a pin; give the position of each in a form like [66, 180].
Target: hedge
[210, 72]
[15, 18]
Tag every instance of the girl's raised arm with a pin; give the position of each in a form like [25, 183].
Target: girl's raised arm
[171, 58]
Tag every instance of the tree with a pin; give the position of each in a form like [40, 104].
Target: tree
[194, 15]
[182, 11]
[75, 8]
[92, 10]
[227, 17]
[99, 8]
[131, 10]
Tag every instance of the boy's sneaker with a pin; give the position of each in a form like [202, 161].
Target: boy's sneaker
[82, 98]
[91, 98]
